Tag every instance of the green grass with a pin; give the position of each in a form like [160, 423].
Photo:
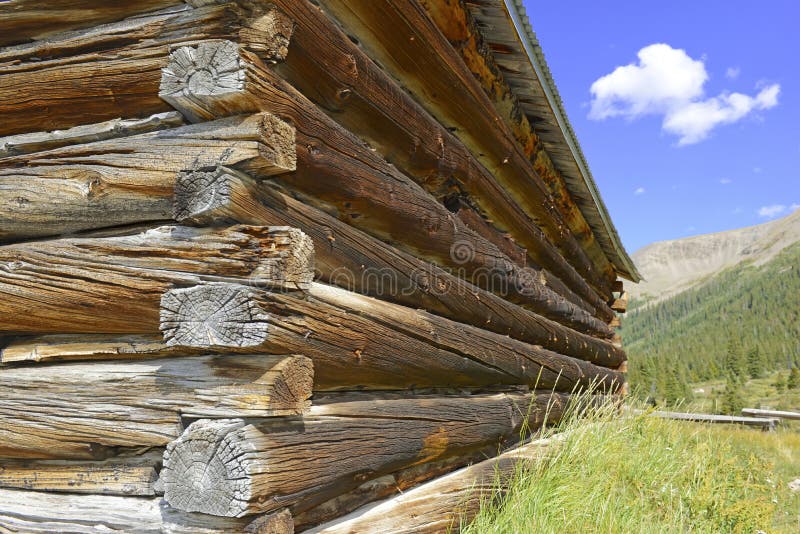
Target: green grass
[635, 473]
[755, 393]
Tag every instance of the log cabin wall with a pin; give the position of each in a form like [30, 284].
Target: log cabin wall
[262, 263]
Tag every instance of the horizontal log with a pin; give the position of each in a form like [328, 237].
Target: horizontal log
[764, 424]
[129, 180]
[74, 347]
[530, 364]
[84, 410]
[456, 23]
[256, 467]
[349, 352]
[419, 55]
[36, 511]
[115, 70]
[15, 145]
[776, 414]
[336, 169]
[374, 106]
[349, 258]
[120, 475]
[26, 20]
[307, 513]
[114, 284]
[443, 504]
[355, 341]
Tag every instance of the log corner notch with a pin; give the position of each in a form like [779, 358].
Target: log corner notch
[208, 195]
[209, 476]
[217, 314]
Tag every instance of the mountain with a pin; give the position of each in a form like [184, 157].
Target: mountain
[714, 304]
[670, 267]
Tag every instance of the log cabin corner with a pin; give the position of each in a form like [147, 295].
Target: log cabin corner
[263, 263]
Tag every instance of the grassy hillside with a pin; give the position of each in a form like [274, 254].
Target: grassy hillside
[743, 322]
[637, 474]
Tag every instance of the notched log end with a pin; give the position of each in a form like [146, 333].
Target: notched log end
[269, 34]
[221, 315]
[210, 72]
[294, 385]
[203, 469]
[278, 145]
[203, 196]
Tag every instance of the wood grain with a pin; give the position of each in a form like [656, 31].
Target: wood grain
[417, 53]
[233, 468]
[335, 169]
[115, 284]
[131, 179]
[331, 70]
[85, 410]
[35, 511]
[114, 71]
[351, 259]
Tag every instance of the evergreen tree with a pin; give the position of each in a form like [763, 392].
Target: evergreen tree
[732, 402]
[755, 363]
[794, 379]
[735, 365]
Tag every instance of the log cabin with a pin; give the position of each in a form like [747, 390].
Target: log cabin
[265, 262]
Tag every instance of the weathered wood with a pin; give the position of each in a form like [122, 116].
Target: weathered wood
[764, 424]
[435, 352]
[349, 258]
[620, 304]
[378, 489]
[615, 322]
[416, 52]
[34, 511]
[335, 168]
[531, 364]
[15, 145]
[443, 504]
[233, 468]
[115, 70]
[131, 179]
[455, 21]
[25, 20]
[349, 351]
[774, 414]
[73, 347]
[336, 74]
[83, 410]
[120, 475]
[115, 284]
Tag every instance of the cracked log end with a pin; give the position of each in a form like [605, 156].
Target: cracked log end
[204, 195]
[211, 71]
[203, 469]
[222, 315]
[269, 34]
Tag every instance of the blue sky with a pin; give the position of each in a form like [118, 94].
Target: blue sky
[698, 134]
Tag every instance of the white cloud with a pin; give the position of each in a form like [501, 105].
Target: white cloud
[666, 81]
[794, 207]
[770, 212]
[725, 181]
[639, 191]
[757, 170]
[732, 73]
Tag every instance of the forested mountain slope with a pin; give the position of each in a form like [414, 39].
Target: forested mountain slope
[751, 310]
